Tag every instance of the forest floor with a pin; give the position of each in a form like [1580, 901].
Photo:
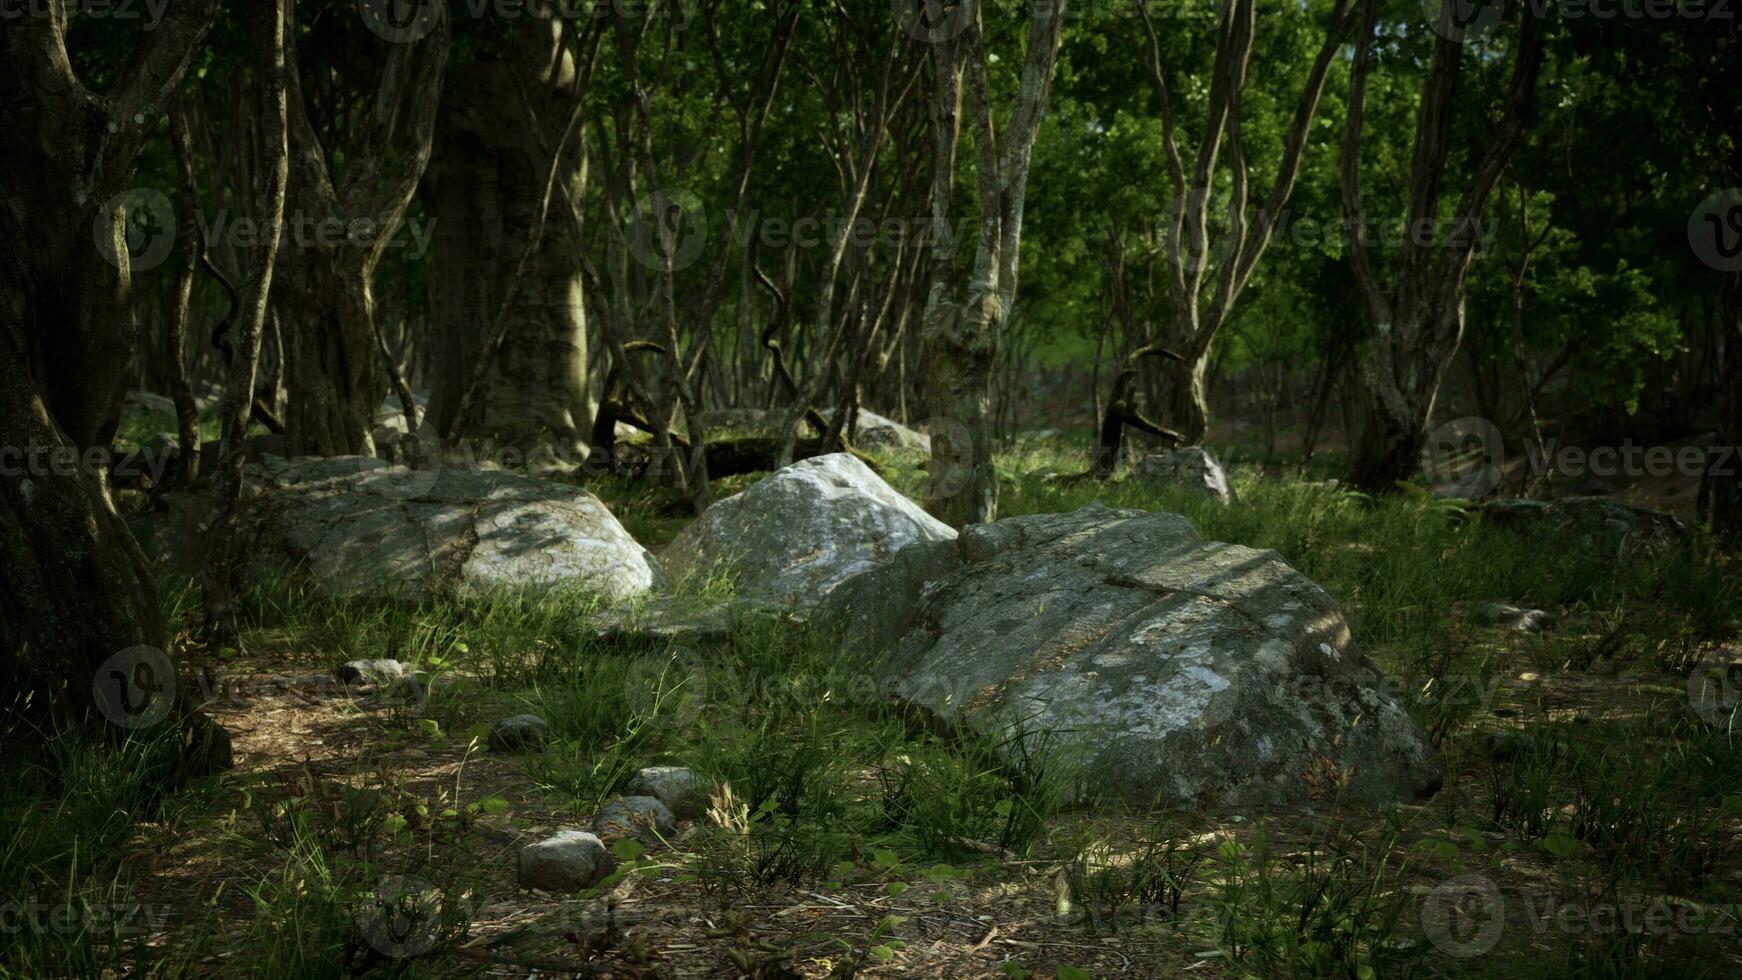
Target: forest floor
[1590, 823]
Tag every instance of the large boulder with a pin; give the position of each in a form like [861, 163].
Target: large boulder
[1172, 668]
[799, 532]
[1599, 523]
[1191, 469]
[355, 525]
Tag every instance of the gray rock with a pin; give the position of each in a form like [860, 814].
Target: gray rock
[1196, 672]
[1511, 617]
[683, 792]
[644, 817]
[377, 672]
[517, 732]
[799, 532]
[566, 862]
[355, 526]
[879, 605]
[1191, 469]
[1606, 525]
[878, 432]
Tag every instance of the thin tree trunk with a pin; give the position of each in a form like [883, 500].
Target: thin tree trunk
[1419, 320]
[187, 414]
[963, 321]
[268, 30]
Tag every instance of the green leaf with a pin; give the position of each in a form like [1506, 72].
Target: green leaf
[627, 849]
[1560, 845]
[495, 806]
[1074, 973]
[895, 888]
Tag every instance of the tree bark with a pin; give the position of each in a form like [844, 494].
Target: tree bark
[269, 30]
[1195, 260]
[1419, 320]
[360, 173]
[75, 590]
[484, 185]
[963, 320]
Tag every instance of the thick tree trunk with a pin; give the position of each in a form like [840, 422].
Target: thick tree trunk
[332, 370]
[1400, 377]
[77, 601]
[1188, 396]
[358, 173]
[960, 351]
[486, 179]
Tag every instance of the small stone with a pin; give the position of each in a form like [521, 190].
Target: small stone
[566, 862]
[636, 816]
[1513, 617]
[380, 672]
[682, 791]
[518, 731]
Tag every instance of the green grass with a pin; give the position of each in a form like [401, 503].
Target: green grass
[819, 783]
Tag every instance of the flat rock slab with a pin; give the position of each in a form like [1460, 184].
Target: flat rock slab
[1169, 667]
[356, 525]
[799, 532]
[1593, 522]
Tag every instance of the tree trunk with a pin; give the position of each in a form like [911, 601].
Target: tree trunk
[1418, 318]
[963, 322]
[333, 373]
[959, 357]
[268, 31]
[1188, 395]
[77, 600]
[485, 182]
[358, 174]
[1723, 475]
